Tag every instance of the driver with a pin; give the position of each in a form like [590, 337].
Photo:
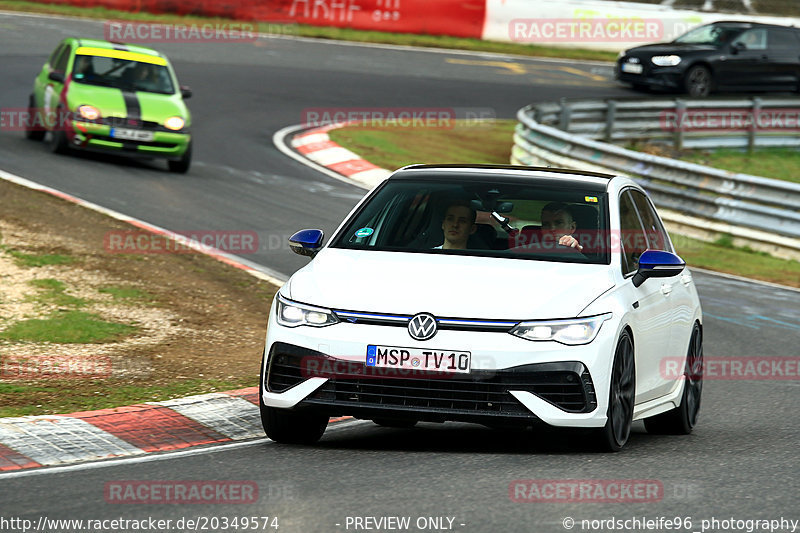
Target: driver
[458, 225]
[559, 223]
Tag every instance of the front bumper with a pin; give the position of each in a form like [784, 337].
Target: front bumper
[512, 380]
[97, 137]
[670, 78]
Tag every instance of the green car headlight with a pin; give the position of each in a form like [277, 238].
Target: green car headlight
[174, 123]
[292, 314]
[89, 112]
[572, 331]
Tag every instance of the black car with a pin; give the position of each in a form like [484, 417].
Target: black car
[722, 56]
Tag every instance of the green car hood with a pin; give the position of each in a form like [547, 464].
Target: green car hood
[110, 102]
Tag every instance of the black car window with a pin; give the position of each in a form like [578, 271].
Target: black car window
[656, 235]
[56, 53]
[755, 39]
[713, 34]
[783, 38]
[61, 63]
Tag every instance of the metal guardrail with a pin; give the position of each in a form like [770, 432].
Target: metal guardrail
[742, 200]
[683, 123]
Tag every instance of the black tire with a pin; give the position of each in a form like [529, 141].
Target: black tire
[284, 426]
[34, 134]
[697, 81]
[58, 137]
[389, 423]
[682, 419]
[622, 392]
[182, 165]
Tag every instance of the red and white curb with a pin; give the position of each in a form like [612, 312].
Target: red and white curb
[47, 440]
[313, 147]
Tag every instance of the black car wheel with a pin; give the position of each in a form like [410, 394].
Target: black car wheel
[697, 81]
[58, 137]
[613, 436]
[182, 165]
[32, 131]
[288, 427]
[682, 419]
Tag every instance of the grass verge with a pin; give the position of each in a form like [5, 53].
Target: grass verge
[53, 292]
[67, 396]
[322, 32]
[38, 260]
[106, 329]
[67, 327]
[396, 147]
[776, 163]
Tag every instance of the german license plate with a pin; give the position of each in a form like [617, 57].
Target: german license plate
[632, 68]
[418, 359]
[131, 135]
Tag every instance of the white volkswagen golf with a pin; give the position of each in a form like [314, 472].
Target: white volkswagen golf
[499, 295]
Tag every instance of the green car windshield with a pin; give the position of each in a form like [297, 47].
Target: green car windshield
[122, 74]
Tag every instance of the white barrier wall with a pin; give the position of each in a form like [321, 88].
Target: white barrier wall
[592, 24]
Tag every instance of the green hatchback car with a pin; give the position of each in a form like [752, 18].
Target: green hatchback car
[111, 97]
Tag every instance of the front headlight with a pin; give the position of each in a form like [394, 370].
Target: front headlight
[292, 314]
[666, 61]
[572, 331]
[89, 112]
[174, 123]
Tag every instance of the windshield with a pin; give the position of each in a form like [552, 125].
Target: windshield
[492, 218]
[122, 74]
[713, 34]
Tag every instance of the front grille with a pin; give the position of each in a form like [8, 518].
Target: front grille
[566, 385]
[130, 144]
[122, 122]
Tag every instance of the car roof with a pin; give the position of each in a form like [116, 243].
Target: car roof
[109, 45]
[554, 177]
[748, 24]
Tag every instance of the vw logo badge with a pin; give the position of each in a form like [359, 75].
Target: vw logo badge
[422, 326]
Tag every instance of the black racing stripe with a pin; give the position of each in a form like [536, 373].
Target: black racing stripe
[132, 107]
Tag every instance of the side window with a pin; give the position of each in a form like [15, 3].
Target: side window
[780, 38]
[755, 39]
[61, 63]
[657, 238]
[55, 55]
[632, 237]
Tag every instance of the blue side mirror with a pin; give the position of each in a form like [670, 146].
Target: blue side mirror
[306, 242]
[657, 264]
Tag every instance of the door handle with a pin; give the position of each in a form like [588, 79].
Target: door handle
[686, 279]
[666, 289]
